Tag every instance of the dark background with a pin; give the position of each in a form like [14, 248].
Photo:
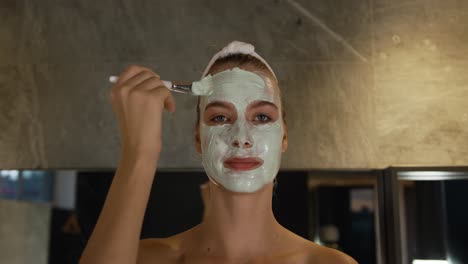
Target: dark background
[175, 205]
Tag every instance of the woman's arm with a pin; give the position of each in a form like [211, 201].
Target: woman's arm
[116, 235]
[138, 100]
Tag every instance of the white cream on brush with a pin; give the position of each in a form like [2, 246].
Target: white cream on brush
[203, 87]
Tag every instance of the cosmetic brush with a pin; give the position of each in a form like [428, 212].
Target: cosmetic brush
[198, 88]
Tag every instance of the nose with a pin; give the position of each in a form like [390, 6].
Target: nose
[241, 144]
[241, 137]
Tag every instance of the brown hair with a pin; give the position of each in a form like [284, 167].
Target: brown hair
[238, 60]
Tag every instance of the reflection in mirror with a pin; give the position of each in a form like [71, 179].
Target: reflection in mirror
[25, 205]
[26, 185]
[55, 220]
[433, 216]
[52, 213]
[342, 214]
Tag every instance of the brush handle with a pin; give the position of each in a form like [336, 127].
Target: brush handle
[185, 88]
[114, 79]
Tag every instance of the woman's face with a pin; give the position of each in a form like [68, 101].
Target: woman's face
[241, 134]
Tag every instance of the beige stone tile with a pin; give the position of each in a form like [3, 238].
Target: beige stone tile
[21, 138]
[184, 30]
[421, 84]
[22, 32]
[24, 232]
[80, 129]
[330, 115]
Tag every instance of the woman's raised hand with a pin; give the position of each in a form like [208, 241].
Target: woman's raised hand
[138, 100]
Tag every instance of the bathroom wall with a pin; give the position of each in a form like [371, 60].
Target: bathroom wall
[24, 232]
[366, 83]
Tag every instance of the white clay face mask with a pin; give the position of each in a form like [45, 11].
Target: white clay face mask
[241, 155]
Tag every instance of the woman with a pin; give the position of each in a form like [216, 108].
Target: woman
[241, 135]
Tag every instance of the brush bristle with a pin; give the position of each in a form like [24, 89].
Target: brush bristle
[203, 87]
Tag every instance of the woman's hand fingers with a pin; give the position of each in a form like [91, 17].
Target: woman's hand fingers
[139, 78]
[151, 83]
[131, 71]
[156, 88]
[139, 98]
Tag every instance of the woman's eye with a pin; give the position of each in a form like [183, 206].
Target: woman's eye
[262, 118]
[219, 119]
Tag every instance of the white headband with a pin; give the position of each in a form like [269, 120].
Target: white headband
[237, 47]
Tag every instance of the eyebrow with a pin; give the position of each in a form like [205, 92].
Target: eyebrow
[263, 103]
[253, 105]
[218, 104]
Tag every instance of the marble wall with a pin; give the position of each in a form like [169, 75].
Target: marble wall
[24, 232]
[366, 83]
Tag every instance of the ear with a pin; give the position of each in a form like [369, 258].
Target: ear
[284, 144]
[197, 139]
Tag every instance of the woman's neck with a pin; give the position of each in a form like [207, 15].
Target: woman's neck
[239, 224]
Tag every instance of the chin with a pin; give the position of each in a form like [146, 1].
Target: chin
[244, 188]
[242, 183]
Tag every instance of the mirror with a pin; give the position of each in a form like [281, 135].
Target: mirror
[343, 210]
[52, 213]
[432, 216]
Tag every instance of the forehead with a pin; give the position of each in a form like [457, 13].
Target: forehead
[217, 68]
[242, 85]
[268, 76]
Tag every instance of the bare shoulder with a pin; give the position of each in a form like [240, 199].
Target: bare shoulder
[321, 254]
[154, 250]
[159, 250]
[314, 253]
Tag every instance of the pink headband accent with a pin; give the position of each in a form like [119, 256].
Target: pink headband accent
[237, 47]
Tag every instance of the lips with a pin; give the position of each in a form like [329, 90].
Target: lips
[242, 164]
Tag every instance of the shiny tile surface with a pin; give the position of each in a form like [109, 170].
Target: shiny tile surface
[367, 83]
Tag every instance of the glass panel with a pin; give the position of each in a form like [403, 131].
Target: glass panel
[9, 184]
[31, 185]
[432, 216]
[36, 185]
[343, 211]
